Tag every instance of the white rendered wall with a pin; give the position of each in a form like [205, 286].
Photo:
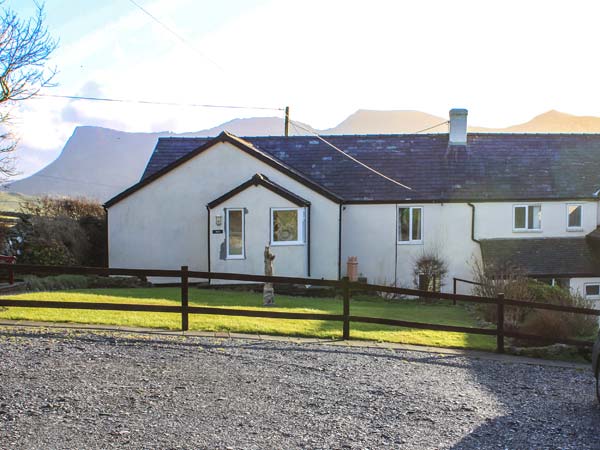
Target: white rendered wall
[290, 260]
[494, 220]
[164, 224]
[369, 232]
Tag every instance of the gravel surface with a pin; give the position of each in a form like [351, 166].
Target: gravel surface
[73, 389]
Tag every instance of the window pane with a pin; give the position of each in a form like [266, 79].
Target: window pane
[404, 224]
[592, 290]
[235, 232]
[285, 226]
[534, 218]
[416, 224]
[574, 216]
[520, 217]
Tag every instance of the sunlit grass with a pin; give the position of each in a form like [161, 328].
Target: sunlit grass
[405, 310]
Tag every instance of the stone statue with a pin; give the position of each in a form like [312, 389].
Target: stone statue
[268, 291]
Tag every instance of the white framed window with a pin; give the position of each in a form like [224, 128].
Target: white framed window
[527, 217]
[235, 233]
[592, 291]
[574, 217]
[410, 225]
[287, 226]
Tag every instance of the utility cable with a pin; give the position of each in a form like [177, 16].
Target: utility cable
[149, 102]
[325, 141]
[174, 33]
[432, 127]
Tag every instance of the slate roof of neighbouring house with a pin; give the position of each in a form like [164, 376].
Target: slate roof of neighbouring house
[492, 166]
[543, 256]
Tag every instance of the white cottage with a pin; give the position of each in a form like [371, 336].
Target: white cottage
[214, 203]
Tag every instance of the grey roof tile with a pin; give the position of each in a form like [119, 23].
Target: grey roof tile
[491, 167]
[543, 256]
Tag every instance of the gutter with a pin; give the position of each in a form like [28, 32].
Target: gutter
[106, 246]
[308, 242]
[473, 224]
[208, 240]
[340, 243]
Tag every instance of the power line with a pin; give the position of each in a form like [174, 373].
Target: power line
[73, 180]
[350, 156]
[432, 127]
[174, 33]
[150, 102]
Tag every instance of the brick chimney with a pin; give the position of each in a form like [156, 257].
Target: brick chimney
[458, 127]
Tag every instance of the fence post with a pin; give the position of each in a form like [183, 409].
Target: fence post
[184, 298]
[454, 289]
[500, 323]
[346, 311]
[11, 276]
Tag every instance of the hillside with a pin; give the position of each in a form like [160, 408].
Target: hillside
[388, 122]
[550, 122]
[99, 162]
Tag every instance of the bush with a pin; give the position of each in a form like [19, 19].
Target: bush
[429, 271]
[514, 285]
[558, 324]
[59, 232]
[69, 282]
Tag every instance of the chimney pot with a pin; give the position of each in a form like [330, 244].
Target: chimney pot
[458, 126]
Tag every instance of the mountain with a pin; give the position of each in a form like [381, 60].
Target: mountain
[99, 162]
[550, 122]
[388, 122]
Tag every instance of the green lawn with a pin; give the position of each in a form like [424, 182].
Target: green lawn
[406, 310]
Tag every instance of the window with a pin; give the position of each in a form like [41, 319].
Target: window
[574, 216]
[410, 224]
[287, 226]
[527, 217]
[592, 291]
[235, 233]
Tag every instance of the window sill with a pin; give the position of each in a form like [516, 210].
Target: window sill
[234, 258]
[409, 242]
[286, 244]
[575, 229]
[522, 230]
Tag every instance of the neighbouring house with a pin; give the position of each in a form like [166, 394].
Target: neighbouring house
[214, 203]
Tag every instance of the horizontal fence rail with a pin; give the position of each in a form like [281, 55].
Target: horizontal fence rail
[344, 286]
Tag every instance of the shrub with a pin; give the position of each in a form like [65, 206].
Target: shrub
[68, 282]
[60, 231]
[551, 324]
[429, 271]
[558, 324]
[507, 280]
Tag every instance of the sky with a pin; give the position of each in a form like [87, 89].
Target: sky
[506, 61]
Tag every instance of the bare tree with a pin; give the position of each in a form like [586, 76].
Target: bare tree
[25, 46]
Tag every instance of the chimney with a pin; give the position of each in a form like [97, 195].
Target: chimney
[458, 126]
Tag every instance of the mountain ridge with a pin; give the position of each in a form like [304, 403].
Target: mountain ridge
[99, 162]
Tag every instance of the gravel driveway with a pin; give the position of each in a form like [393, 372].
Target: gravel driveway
[68, 389]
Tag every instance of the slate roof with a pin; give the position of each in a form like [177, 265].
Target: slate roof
[543, 256]
[493, 166]
[261, 180]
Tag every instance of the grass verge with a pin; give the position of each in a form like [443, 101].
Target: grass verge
[405, 310]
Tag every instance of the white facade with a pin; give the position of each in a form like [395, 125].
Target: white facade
[495, 220]
[256, 203]
[163, 225]
[370, 232]
[166, 224]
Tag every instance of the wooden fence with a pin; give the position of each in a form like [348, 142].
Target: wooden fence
[344, 286]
